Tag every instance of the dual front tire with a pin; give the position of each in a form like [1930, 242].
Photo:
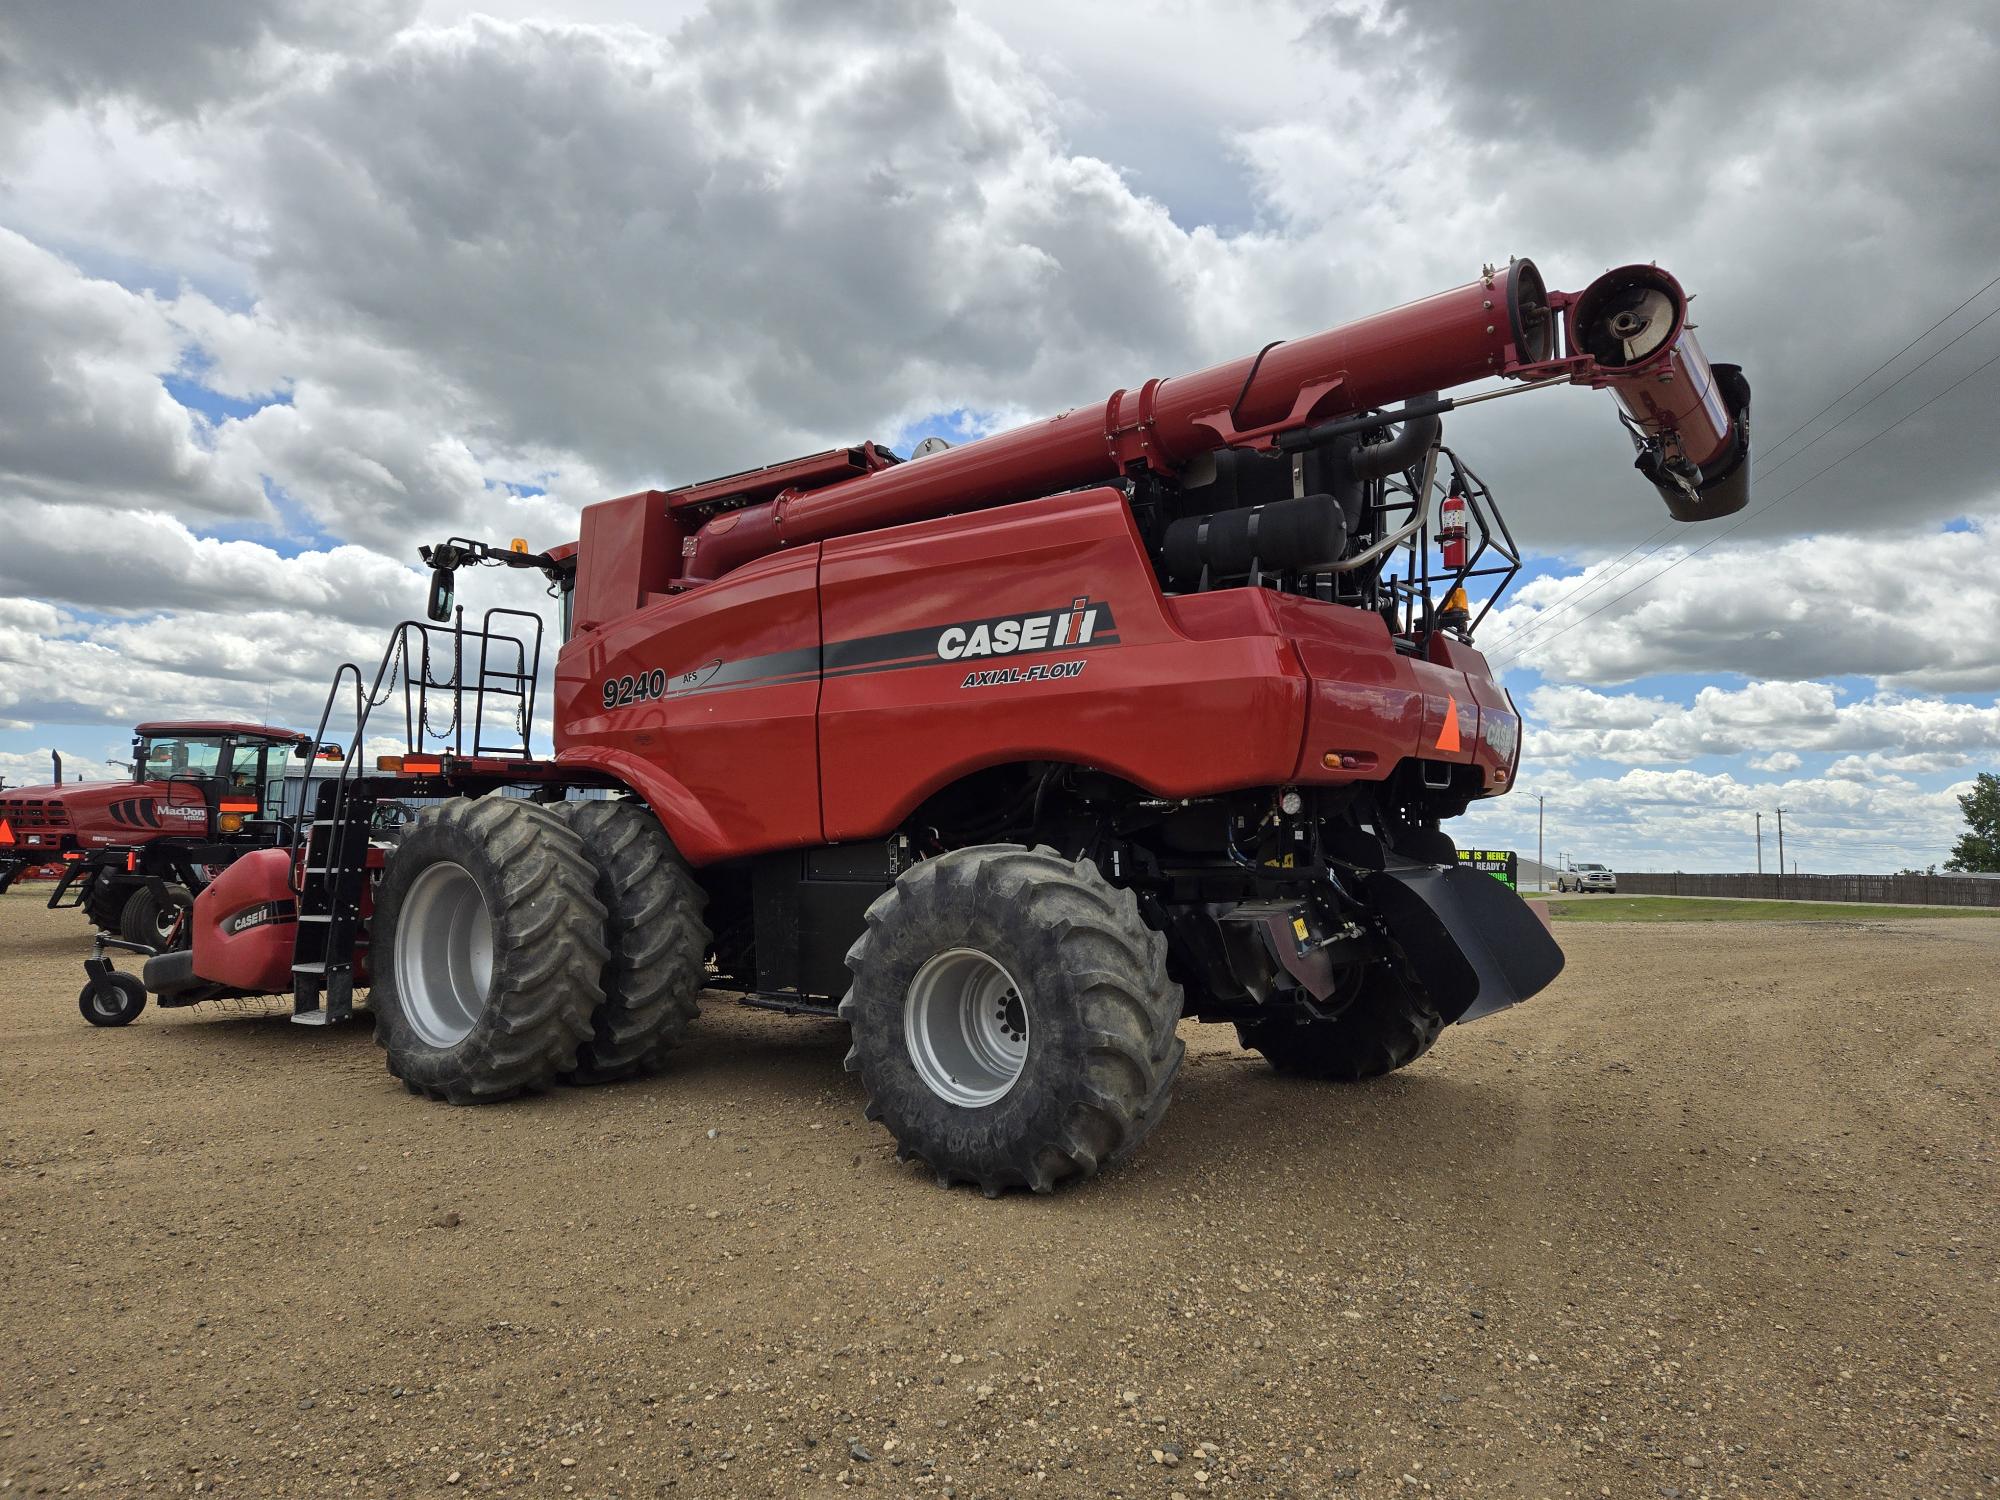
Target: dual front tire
[515, 946]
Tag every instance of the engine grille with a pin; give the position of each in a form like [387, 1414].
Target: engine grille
[34, 813]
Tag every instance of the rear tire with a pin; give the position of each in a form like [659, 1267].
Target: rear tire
[148, 920]
[653, 927]
[114, 1000]
[487, 947]
[1386, 1027]
[104, 905]
[1013, 1021]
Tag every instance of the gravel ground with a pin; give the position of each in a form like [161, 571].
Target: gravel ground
[1715, 1215]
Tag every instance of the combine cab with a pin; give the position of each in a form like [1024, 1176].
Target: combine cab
[1011, 756]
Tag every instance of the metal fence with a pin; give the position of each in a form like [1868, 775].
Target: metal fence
[1899, 890]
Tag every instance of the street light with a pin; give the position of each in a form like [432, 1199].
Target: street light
[1541, 868]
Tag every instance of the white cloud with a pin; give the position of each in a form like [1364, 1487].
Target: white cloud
[95, 419]
[1769, 720]
[1647, 819]
[19, 768]
[145, 560]
[616, 251]
[1910, 610]
[174, 59]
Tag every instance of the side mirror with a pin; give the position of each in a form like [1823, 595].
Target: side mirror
[442, 590]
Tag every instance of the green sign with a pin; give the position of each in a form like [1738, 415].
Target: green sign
[1502, 864]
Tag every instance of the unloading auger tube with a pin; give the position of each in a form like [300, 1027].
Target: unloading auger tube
[1627, 331]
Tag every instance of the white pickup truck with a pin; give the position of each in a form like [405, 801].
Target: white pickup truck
[1584, 878]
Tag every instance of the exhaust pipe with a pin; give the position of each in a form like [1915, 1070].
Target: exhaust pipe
[1690, 420]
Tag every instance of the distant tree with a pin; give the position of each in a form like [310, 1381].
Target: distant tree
[1978, 848]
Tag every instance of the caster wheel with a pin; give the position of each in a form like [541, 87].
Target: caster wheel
[114, 1000]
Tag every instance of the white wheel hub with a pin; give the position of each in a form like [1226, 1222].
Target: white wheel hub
[966, 1027]
[444, 954]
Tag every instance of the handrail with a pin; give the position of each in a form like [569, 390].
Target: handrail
[515, 678]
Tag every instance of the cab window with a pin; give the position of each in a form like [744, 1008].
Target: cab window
[246, 765]
[182, 755]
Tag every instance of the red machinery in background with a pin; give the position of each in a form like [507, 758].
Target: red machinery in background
[134, 853]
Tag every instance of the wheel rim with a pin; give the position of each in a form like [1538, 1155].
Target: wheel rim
[107, 1001]
[164, 916]
[966, 1027]
[444, 954]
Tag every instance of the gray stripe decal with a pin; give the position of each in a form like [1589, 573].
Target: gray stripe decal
[892, 651]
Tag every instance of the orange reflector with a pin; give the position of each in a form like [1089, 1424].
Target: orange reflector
[1448, 736]
[131, 861]
[242, 807]
[388, 762]
[73, 854]
[422, 764]
[6, 832]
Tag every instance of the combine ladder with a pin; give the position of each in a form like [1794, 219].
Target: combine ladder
[329, 881]
[332, 878]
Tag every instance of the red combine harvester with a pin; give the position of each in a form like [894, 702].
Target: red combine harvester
[1011, 755]
[134, 852]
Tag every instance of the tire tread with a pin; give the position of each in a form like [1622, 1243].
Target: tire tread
[658, 943]
[549, 950]
[1126, 1005]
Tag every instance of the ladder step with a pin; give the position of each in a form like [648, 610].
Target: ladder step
[315, 917]
[317, 967]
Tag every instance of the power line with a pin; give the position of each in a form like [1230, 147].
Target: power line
[1884, 391]
[1609, 575]
[1761, 510]
[1881, 367]
[1614, 572]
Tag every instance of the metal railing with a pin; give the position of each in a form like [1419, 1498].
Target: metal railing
[417, 654]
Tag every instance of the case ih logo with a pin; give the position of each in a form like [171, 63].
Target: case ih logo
[259, 916]
[143, 812]
[1079, 625]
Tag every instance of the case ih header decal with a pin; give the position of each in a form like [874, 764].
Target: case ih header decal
[1083, 624]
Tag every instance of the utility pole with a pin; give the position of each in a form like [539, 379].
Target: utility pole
[1541, 869]
[1781, 853]
[1760, 842]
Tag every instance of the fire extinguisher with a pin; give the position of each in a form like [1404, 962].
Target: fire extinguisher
[1454, 524]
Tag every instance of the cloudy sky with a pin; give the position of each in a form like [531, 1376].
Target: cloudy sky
[289, 286]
